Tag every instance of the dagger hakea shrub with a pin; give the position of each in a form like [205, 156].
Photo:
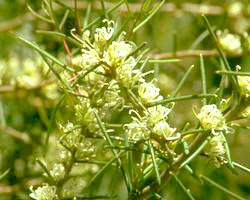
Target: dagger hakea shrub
[107, 79]
[114, 131]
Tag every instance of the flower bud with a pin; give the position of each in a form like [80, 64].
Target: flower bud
[211, 118]
[244, 83]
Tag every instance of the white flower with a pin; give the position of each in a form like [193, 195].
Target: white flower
[86, 150]
[156, 114]
[45, 192]
[137, 130]
[86, 38]
[148, 92]
[215, 149]
[58, 172]
[235, 9]
[230, 42]
[102, 35]
[211, 118]
[72, 135]
[117, 53]
[124, 73]
[162, 128]
[244, 83]
[90, 57]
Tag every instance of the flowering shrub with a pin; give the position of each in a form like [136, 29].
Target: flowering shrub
[110, 124]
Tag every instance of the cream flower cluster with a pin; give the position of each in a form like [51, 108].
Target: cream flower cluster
[148, 92]
[215, 149]
[71, 136]
[113, 57]
[230, 42]
[58, 172]
[244, 84]
[211, 118]
[45, 192]
[154, 122]
[137, 130]
[27, 73]
[103, 35]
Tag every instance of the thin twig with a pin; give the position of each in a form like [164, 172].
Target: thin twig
[21, 136]
[191, 53]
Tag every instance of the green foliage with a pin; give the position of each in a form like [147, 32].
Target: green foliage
[124, 100]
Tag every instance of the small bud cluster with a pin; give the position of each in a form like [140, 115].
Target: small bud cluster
[58, 172]
[85, 114]
[231, 43]
[72, 136]
[211, 118]
[244, 84]
[27, 74]
[73, 139]
[215, 149]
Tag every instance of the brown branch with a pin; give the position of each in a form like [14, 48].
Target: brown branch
[11, 88]
[16, 22]
[8, 189]
[22, 136]
[190, 53]
[167, 7]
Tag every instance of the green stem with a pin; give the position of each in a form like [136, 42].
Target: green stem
[203, 79]
[197, 152]
[4, 174]
[182, 98]
[221, 53]
[232, 73]
[158, 178]
[241, 167]
[108, 139]
[44, 53]
[187, 191]
[183, 80]
[148, 17]
[236, 196]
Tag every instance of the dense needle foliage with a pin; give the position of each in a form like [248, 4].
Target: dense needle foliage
[124, 99]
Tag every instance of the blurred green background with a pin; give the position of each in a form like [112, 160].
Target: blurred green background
[175, 31]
